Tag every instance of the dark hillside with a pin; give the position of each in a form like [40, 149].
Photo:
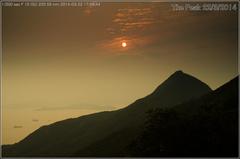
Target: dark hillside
[205, 127]
[114, 129]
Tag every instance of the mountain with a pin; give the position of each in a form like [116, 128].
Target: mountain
[203, 127]
[178, 86]
[106, 133]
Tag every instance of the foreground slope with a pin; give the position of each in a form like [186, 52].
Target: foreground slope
[204, 127]
[75, 137]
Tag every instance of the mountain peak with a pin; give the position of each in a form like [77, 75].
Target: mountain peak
[181, 85]
[178, 72]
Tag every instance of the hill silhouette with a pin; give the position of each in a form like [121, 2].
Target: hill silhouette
[106, 133]
[204, 127]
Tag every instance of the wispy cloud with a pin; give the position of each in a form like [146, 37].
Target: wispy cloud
[135, 24]
[77, 106]
[35, 120]
[128, 19]
[88, 10]
[134, 41]
[127, 23]
[143, 25]
[17, 127]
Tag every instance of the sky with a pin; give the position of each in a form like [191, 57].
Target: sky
[64, 62]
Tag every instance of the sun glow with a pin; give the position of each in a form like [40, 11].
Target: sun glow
[124, 44]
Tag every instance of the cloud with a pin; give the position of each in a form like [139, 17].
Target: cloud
[111, 30]
[158, 25]
[133, 18]
[76, 106]
[17, 127]
[88, 10]
[35, 120]
[130, 25]
[135, 41]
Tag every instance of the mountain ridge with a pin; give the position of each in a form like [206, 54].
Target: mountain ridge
[175, 79]
[79, 133]
[204, 127]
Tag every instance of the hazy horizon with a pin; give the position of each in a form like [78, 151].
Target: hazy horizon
[63, 62]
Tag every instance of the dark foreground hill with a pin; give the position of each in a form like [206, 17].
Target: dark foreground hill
[106, 133]
[205, 127]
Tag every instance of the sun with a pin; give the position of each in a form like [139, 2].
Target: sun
[124, 44]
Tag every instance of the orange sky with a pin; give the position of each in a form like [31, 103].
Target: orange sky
[62, 62]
